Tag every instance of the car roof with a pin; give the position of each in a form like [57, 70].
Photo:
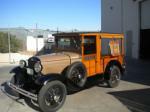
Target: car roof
[71, 33]
[78, 34]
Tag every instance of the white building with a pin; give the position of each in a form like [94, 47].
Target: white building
[37, 39]
[131, 17]
[34, 44]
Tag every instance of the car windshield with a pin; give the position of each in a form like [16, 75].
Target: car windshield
[62, 44]
[71, 44]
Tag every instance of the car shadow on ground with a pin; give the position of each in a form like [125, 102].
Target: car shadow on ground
[136, 100]
[8, 91]
[91, 82]
[137, 71]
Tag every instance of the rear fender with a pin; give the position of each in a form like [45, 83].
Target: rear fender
[111, 63]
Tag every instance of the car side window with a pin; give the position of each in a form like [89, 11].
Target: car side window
[89, 45]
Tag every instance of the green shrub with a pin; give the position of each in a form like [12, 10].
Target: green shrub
[15, 44]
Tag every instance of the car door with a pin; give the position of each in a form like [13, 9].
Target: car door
[89, 53]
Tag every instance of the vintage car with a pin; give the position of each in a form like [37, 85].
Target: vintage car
[74, 57]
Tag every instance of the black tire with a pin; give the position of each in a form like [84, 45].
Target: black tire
[114, 76]
[76, 76]
[52, 96]
[32, 103]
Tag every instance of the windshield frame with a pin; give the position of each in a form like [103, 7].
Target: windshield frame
[75, 44]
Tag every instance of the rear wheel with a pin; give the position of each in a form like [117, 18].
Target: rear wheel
[52, 96]
[114, 76]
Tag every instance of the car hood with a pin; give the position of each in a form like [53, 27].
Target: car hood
[59, 56]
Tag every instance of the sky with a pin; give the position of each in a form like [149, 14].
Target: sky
[82, 15]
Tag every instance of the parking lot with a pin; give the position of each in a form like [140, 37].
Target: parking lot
[132, 95]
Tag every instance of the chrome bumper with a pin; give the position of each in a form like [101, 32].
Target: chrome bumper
[22, 91]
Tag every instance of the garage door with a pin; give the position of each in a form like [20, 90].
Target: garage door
[145, 30]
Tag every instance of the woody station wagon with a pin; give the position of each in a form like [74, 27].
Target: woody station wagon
[74, 57]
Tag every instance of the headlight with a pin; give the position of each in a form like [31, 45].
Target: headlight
[38, 67]
[22, 63]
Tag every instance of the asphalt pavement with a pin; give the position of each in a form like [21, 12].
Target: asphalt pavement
[132, 95]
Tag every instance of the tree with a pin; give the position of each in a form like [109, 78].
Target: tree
[16, 44]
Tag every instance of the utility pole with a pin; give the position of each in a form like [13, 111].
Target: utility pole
[57, 30]
[36, 38]
[9, 47]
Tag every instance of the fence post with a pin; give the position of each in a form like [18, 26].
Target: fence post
[9, 47]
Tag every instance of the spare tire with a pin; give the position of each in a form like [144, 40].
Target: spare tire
[76, 75]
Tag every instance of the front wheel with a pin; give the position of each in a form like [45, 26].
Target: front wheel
[114, 76]
[52, 96]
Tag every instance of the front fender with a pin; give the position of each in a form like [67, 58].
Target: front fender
[17, 70]
[44, 79]
[18, 75]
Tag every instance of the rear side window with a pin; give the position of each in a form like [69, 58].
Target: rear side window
[106, 48]
[89, 44]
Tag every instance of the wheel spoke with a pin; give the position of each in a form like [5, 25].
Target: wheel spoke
[76, 76]
[54, 96]
[114, 76]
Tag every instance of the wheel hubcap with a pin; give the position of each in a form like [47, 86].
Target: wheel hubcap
[115, 76]
[76, 76]
[54, 96]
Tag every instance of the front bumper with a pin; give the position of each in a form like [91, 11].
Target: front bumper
[22, 91]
